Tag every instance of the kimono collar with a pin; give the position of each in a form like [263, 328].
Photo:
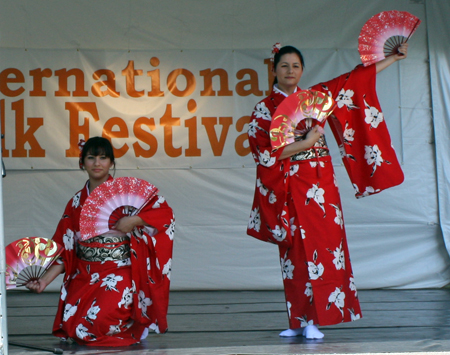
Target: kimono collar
[87, 184]
[277, 90]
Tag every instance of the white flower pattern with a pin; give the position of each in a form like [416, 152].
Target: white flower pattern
[288, 307]
[261, 111]
[167, 269]
[127, 298]
[317, 194]
[287, 268]
[252, 128]
[254, 220]
[92, 313]
[293, 169]
[309, 292]
[265, 159]
[68, 239]
[303, 233]
[339, 257]
[373, 116]
[339, 220]
[354, 316]
[304, 321]
[170, 231]
[349, 134]
[124, 262]
[373, 156]
[315, 163]
[114, 329]
[337, 297]
[76, 200]
[144, 302]
[279, 233]
[352, 286]
[315, 271]
[82, 332]
[111, 281]
[344, 98]
[70, 310]
[272, 197]
[159, 202]
[293, 226]
[262, 189]
[95, 277]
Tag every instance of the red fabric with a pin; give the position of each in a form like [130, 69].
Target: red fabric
[297, 203]
[316, 269]
[360, 130]
[268, 220]
[111, 303]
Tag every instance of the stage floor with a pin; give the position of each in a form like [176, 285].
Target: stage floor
[248, 322]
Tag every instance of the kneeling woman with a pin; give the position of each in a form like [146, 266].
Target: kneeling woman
[115, 288]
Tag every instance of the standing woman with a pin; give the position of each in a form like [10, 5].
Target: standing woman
[297, 204]
[115, 288]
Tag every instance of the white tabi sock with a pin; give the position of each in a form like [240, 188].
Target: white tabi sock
[311, 332]
[144, 334]
[291, 332]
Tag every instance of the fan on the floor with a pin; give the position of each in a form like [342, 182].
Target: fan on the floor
[112, 200]
[382, 35]
[27, 259]
[297, 114]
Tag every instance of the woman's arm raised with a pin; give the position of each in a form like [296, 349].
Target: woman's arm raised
[402, 54]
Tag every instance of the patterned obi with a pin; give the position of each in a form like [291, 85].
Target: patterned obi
[104, 248]
[319, 150]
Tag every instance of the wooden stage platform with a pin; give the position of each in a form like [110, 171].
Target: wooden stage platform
[248, 322]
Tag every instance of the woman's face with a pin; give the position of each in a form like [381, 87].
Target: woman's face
[97, 166]
[289, 70]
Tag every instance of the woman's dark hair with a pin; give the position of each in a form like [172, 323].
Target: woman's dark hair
[286, 50]
[97, 146]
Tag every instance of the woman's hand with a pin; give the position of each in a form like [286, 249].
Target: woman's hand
[128, 223]
[402, 54]
[52, 273]
[36, 286]
[311, 138]
[313, 135]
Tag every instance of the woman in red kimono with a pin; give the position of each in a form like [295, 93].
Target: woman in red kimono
[297, 204]
[115, 288]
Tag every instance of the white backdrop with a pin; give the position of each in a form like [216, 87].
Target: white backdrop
[396, 238]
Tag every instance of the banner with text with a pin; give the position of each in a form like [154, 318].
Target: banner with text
[165, 109]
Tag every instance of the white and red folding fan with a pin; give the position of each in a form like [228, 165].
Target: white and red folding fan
[297, 114]
[383, 33]
[112, 200]
[27, 259]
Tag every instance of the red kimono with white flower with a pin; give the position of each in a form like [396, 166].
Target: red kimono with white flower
[112, 302]
[297, 203]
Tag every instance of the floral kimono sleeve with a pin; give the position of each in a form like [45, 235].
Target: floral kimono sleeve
[151, 263]
[361, 132]
[66, 232]
[269, 216]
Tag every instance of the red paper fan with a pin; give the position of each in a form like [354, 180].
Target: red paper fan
[296, 115]
[27, 259]
[111, 201]
[381, 36]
